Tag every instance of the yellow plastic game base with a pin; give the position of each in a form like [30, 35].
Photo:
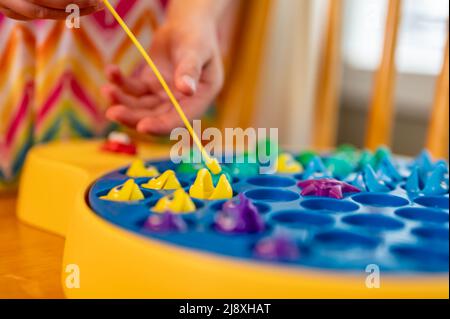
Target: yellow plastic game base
[114, 263]
[55, 172]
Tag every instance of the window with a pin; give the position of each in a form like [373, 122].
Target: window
[422, 36]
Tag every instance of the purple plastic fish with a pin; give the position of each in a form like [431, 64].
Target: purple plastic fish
[277, 247]
[239, 216]
[326, 187]
[165, 222]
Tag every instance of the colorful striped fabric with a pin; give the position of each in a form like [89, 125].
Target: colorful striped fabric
[50, 77]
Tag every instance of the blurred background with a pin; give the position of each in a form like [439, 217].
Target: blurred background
[292, 75]
[420, 52]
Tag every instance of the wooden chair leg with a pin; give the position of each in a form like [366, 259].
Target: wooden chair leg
[437, 137]
[236, 104]
[327, 94]
[381, 113]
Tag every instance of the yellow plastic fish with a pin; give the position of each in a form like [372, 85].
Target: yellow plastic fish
[223, 189]
[287, 165]
[127, 192]
[203, 187]
[167, 181]
[179, 202]
[138, 169]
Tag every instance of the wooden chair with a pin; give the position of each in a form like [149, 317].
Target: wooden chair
[327, 95]
[380, 118]
[437, 137]
[238, 98]
[381, 109]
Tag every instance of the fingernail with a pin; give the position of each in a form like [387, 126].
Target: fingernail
[190, 82]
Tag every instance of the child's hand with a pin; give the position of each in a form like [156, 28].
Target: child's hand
[188, 56]
[45, 9]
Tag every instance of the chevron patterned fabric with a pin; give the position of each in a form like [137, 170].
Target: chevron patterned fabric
[50, 77]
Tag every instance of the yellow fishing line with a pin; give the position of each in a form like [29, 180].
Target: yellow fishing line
[211, 163]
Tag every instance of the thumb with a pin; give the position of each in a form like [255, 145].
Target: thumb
[188, 70]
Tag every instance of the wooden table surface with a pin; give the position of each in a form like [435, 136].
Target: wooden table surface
[30, 259]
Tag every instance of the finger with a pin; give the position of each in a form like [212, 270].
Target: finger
[34, 11]
[115, 95]
[129, 84]
[187, 73]
[153, 84]
[131, 117]
[159, 125]
[62, 4]
[214, 75]
[122, 115]
[89, 10]
[164, 97]
[165, 122]
[190, 59]
[11, 14]
[161, 59]
[152, 81]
